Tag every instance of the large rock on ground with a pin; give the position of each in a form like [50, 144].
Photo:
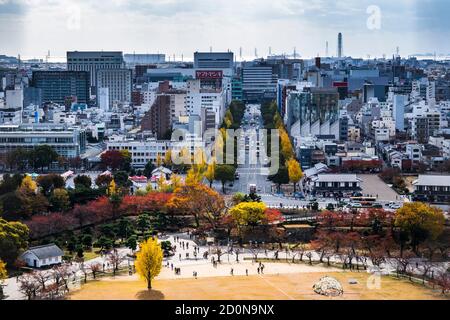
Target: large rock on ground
[329, 287]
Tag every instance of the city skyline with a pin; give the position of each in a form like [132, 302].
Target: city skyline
[33, 27]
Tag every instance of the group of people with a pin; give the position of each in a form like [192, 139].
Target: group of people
[260, 268]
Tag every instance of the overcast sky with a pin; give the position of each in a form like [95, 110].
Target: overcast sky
[375, 27]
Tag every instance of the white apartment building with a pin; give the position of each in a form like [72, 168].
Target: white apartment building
[141, 151]
[414, 152]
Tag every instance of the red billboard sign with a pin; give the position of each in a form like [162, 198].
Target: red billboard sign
[209, 74]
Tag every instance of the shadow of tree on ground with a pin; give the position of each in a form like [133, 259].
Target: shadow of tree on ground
[150, 295]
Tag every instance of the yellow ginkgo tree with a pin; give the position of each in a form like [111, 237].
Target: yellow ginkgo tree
[149, 260]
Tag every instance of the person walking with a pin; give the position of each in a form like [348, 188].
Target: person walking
[246, 272]
[232, 272]
[257, 269]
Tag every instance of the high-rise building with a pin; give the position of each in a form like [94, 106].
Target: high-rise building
[312, 112]
[118, 82]
[159, 118]
[56, 86]
[258, 83]
[340, 49]
[91, 61]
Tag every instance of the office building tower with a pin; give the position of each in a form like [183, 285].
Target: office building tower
[118, 82]
[91, 61]
[57, 86]
[258, 83]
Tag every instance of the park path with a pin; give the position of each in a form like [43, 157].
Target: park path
[185, 259]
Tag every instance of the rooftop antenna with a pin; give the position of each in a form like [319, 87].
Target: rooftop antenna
[182, 57]
[256, 53]
[397, 51]
[270, 51]
[326, 49]
[240, 53]
[295, 52]
[210, 49]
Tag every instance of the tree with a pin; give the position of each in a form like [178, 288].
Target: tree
[149, 260]
[113, 159]
[75, 162]
[13, 239]
[294, 171]
[10, 183]
[132, 242]
[420, 222]
[17, 158]
[103, 180]
[126, 160]
[86, 240]
[32, 202]
[61, 274]
[121, 179]
[443, 280]
[81, 181]
[225, 173]
[42, 156]
[50, 182]
[95, 269]
[281, 177]
[168, 159]
[124, 228]
[210, 173]
[228, 119]
[287, 151]
[29, 184]
[3, 275]
[248, 213]
[115, 259]
[11, 206]
[143, 222]
[28, 285]
[60, 200]
[104, 243]
[149, 167]
[199, 201]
